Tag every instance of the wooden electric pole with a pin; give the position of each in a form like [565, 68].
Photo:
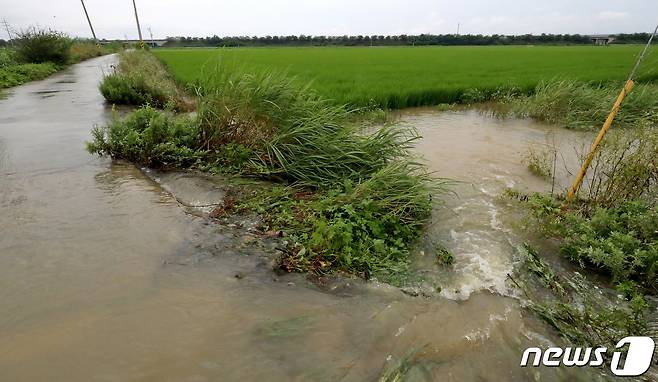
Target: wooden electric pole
[139, 29]
[89, 20]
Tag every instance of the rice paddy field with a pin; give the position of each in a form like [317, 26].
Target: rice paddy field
[398, 77]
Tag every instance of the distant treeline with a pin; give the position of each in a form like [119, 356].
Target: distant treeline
[423, 39]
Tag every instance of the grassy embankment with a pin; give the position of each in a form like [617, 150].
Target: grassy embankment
[399, 77]
[347, 199]
[37, 54]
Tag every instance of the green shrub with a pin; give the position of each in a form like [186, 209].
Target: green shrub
[136, 90]
[36, 46]
[148, 137]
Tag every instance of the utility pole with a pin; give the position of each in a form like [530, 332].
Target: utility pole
[139, 29]
[151, 34]
[89, 20]
[6, 24]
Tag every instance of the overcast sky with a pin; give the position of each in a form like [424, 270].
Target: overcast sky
[114, 18]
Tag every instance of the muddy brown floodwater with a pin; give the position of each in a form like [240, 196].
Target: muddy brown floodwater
[105, 277]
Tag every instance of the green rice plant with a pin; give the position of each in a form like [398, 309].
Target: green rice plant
[399, 77]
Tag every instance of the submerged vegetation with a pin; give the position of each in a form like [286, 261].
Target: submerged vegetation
[399, 77]
[348, 199]
[612, 230]
[38, 53]
[581, 314]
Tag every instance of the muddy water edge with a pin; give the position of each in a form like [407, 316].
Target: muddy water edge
[105, 276]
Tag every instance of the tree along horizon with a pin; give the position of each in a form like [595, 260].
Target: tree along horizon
[399, 40]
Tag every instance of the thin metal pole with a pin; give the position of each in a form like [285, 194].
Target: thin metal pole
[578, 182]
[89, 20]
[139, 29]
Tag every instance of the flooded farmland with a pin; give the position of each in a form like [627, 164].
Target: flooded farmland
[104, 276]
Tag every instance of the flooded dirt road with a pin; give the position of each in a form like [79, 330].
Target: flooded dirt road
[104, 277]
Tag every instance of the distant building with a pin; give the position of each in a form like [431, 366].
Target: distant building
[601, 39]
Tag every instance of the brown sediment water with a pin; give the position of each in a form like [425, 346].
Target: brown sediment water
[485, 155]
[104, 276]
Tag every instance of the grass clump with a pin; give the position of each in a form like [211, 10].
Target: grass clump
[140, 79]
[149, 137]
[539, 161]
[579, 105]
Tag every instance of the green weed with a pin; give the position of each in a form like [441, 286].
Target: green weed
[149, 137]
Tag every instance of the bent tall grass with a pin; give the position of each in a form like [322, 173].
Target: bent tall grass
[578, 105]
[297, 135]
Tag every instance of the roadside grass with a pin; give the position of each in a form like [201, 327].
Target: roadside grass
[140, 79]
[347, 198]
[39, 53]
[17, 74]
[399, 77]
